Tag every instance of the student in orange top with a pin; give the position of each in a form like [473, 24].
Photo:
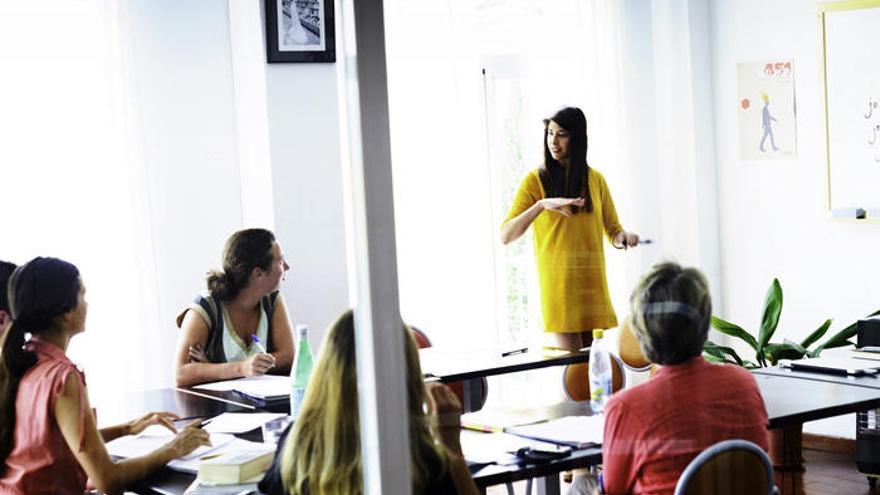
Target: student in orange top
[569, 207]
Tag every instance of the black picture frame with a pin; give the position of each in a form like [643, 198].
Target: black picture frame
[311, 40]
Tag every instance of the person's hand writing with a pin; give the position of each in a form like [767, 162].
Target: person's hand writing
[445, 411]
[257, 365]
[190, 438]
[197, 354]
[165, 419]
[561, 205]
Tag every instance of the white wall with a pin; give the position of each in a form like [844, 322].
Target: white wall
[772, 214]
[227, 142]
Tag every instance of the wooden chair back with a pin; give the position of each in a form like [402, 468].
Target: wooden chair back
[576, 383]
[731, 467]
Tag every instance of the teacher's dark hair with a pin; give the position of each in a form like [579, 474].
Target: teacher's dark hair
[572, 181]
[40, 291]
[244, 251]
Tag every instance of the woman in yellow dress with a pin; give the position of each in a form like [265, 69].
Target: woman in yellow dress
[570, 208]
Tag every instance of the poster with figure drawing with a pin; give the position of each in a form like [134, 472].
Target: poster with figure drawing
[766, 107]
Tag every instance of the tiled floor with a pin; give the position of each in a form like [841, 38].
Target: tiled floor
[827, 473]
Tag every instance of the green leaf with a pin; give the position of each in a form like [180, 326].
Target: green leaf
[841, 338]
[817, 334]
[718, 360]
[770, 319]
[786, 350]
[722, 352]
[733, 330]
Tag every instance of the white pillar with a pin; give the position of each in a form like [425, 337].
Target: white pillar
[381, 364]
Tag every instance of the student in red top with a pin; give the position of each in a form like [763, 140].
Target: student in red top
[653, 430]
[49, 443]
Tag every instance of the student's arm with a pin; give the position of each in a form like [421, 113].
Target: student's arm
[282, 337]
[136, 426]
[75, 422]
[446, 411]
[194, 333]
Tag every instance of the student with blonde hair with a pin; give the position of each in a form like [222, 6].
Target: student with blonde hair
[323, 453]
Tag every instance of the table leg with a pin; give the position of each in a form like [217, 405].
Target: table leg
[785, 448]
[549, 485]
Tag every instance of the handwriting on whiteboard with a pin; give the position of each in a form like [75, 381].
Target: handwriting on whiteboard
[871, 114]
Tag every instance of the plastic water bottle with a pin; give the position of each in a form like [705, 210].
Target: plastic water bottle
[600, 373]
[301, 371]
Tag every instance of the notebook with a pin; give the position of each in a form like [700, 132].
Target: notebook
[835, 365]
[575, 431]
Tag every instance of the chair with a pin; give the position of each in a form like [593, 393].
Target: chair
[731, 467]
[471, 393]
[576, 385]
[628, 347]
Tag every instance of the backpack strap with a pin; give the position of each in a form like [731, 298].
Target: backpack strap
[268, 303]
[209, 309]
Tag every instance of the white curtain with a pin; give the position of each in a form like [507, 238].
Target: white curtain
[68, 189]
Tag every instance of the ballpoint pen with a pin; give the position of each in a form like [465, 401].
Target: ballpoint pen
[256, 341]
[515, 351]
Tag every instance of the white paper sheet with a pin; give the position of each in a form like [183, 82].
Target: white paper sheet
[239, 422]
[266, 387]
[156, 436]
[255, 386]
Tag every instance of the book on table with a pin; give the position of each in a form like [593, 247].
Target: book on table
[866, 352]
[234, 467]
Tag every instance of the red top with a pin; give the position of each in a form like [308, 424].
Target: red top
[652, 431]
[40, 461]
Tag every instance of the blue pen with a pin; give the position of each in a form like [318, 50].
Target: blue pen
[256, 341]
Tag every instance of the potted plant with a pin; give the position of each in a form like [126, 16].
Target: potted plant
[785, 443]
[767, 353]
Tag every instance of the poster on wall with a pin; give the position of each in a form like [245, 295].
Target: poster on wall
[767, 111]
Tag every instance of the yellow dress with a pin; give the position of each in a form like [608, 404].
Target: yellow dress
[570, 256]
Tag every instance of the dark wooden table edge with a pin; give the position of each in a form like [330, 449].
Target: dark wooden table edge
[573, 358]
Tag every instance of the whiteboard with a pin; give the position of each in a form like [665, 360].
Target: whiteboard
[852, 101]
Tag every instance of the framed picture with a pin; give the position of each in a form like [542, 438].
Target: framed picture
[300, 31]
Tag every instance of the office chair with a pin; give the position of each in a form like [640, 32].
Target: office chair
[731, 467]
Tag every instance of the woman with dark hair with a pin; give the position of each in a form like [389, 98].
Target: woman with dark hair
[240, 326]
[569, 207]
[321, 453]
[49, 442]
